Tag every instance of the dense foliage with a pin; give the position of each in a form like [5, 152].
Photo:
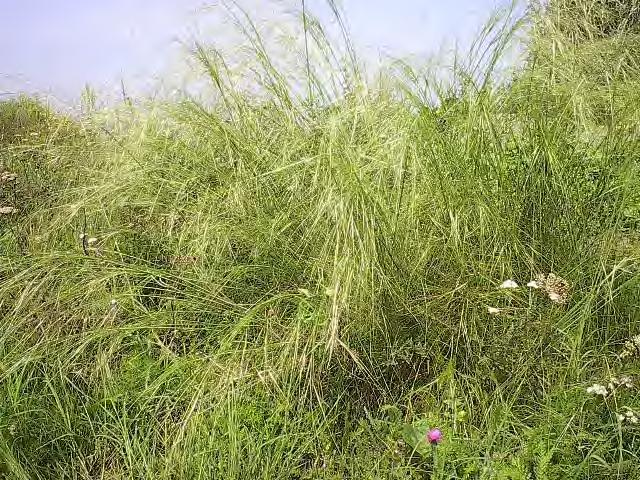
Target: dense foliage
[284, 287]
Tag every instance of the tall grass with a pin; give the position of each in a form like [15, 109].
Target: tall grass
[295, 284]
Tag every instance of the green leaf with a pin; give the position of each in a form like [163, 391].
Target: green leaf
[415, 435]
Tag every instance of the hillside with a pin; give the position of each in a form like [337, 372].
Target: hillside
[303, 284]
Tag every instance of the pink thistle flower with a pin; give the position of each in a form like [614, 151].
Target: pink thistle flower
[434, 436]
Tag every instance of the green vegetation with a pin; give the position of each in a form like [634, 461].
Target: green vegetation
[297, 284]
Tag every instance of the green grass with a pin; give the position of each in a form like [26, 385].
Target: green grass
[295, 284]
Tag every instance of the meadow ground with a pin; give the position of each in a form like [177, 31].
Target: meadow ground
[302, 284]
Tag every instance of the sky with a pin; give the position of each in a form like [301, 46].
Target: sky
[56, 47]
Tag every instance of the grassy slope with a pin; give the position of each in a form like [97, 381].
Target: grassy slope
[281, 290]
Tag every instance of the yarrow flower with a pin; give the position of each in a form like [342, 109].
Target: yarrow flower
[631, 347]
[508, 284]
[597, 389]
[434, 436]
[555, 297]
[6, 177]
[493, 310]
[556, 288]
[626, 381]
[628, 416]
[623, 381]
[533, 284]
[8, 210]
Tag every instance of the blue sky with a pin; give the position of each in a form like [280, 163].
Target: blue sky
[58, 46]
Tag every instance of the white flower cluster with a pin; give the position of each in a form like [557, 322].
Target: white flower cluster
[628, 416]
[508, 284]
[614, 383]
[631, 347]
[512, 284]
[598, 389]
[90, 240]
[555, 287]
[6, 177]
[623, 381]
